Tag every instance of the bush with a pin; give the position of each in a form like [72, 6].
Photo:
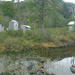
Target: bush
[14, 33]
[3, 36]
[37, 37]
[13, 45]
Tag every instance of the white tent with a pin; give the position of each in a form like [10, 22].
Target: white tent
[71, 23]
[25, 27]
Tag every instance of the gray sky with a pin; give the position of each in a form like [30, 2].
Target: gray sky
[72, 1]
[10, 0]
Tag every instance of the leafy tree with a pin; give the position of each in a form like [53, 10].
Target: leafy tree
[29, 14]
[41, 4]
[4, 20]
[37, 13]
[8, 8]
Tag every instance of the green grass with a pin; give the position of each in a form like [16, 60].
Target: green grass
[32, 39]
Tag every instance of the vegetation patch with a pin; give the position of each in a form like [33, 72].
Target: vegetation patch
[19, 41]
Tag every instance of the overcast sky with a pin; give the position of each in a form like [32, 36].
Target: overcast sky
[72, 1]
[11, 0]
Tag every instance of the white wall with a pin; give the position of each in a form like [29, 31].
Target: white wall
[1, 28]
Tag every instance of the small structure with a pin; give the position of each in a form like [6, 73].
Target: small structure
[25, 27]
[71, 26]
[1, 27]
[13, 25]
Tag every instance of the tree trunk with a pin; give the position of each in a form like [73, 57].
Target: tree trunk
[42, 23]
[19, 13]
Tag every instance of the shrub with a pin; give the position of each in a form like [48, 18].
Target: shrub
[3, 36]
[14, 33]
[37, 37]
[13, 45]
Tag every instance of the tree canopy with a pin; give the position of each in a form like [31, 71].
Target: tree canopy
[56, 12]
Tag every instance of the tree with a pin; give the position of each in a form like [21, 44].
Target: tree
[3, 20]
[8, 8]
[29, 14]
[44, 8]
[41, 6]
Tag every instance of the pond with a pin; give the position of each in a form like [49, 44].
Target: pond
[24, 65]
[60, 67]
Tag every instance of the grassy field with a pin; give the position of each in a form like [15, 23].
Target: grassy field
[32, 39]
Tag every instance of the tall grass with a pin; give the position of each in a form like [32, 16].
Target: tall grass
[32, 39]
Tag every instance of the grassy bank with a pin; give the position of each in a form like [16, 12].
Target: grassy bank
[33, 40]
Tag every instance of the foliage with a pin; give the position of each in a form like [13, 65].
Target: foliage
[22, 41]
[56, 16]
[3, 36]
[15, 33]
[8, 9]
[13, 45]
[56, 13]
[3, 20]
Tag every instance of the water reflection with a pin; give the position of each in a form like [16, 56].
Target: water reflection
[57, 63]
[25, 67]
[61, 67]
